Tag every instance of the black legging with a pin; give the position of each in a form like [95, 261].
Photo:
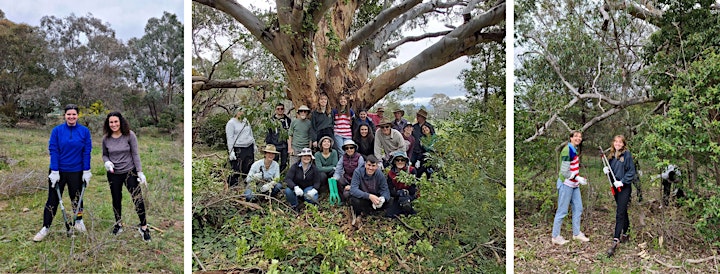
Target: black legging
[130, 180]
[74, 182]
[245, 156]
[622, 221]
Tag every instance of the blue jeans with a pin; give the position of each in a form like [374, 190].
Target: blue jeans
[567, 196]
[339, 140]
[293, 199]
[249, 196]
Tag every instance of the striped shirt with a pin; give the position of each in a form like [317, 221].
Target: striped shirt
[570, 166]
[343, 123]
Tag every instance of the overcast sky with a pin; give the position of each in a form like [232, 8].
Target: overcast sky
[127, 18]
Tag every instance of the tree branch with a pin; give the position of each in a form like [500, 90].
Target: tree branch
[246, 18]
[647, 12]
[393, 46]
[203, 83]
[380, 20]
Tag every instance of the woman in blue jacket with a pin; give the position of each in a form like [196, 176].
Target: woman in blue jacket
[70, 146]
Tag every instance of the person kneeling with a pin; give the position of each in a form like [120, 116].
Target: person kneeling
[264, 173]
[369, 191]
[303, 180]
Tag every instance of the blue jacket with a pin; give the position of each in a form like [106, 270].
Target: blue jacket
[363, 185]
[70, 148]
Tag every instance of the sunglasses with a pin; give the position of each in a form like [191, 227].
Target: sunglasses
[279, 108]
[348, 148]
[401, 160]
[301, 111]
[384, 126]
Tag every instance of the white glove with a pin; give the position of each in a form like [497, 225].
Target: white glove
[54, 178]
[618, 184]
[606, 170]
[581, 180]
[298, 191]
[86, 176]
[232, 155]
[142, 179]
[417, 164]
[255, 149]
[310, 195]
[110, 167]
[379, 205]
[256, 176]
[267, 187]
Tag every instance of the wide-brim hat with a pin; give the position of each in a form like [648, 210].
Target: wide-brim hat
[386, 120]
[399, 110]
[271, 149]
[399, 154]
[306, 152]
[349, 142]
[422, 113]
[380, 109]
[303, 107]
[332, 142]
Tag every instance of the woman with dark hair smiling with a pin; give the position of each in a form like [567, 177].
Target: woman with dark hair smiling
[70, 145]
[122, 162]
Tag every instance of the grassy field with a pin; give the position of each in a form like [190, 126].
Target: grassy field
[23, 191]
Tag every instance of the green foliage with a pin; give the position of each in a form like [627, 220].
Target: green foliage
[212, 131]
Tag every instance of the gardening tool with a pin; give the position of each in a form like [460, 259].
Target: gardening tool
[612, 179]
[79, 203]
[334, 197]
[62, 209]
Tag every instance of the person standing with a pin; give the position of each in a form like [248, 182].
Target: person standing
[70, 146]
[377, 116]
[623, 167]
[322, 121]
[409, 140]
[360, 119]
[568, 186]
[299, 133]
[399, 123]
[241, 146]
[122, 163]
[427, 144]
[277, 136]
[417, 133]
[342, 118]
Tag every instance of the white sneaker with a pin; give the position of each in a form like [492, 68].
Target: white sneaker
[581, 237]
[559, 240]
[80, 226]
[41, 234]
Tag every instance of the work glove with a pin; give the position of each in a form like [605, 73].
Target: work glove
[267, 187]
[54, 178]
[380, 204]
[141, 178]
[86, 176]
[232, 155]
[310, 195]
[255, 149]
[298, 191]
[581, 180]
[618, 184]
[256, 176]
[417, 164]
[606, 170]
[109, 167]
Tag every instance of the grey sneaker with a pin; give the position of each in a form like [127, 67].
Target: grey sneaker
[581, 237]
[145, 233]
[80, 226]
[41, 234]
[559, 240]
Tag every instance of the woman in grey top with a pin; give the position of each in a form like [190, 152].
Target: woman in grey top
[122, 162]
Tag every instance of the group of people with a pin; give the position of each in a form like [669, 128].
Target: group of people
[620, 170]
[334, 143]
[70, 146]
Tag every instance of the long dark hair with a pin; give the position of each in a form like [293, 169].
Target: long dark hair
[124, 126]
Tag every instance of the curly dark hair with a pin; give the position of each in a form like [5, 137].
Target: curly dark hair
[124, 126]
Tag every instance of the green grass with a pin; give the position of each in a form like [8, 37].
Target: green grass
[24, 192]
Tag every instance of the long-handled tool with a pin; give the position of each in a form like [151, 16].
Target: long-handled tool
[62, 209]
[612, 179]
[79, 204]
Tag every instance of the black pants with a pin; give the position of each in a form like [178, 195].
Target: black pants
[245, 156]
[282, 158]
[74, 182]
[344, 195]
[130, 180]
[622, 221]
[365, 205]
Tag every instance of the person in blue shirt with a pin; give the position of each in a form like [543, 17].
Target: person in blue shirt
[70, 145]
